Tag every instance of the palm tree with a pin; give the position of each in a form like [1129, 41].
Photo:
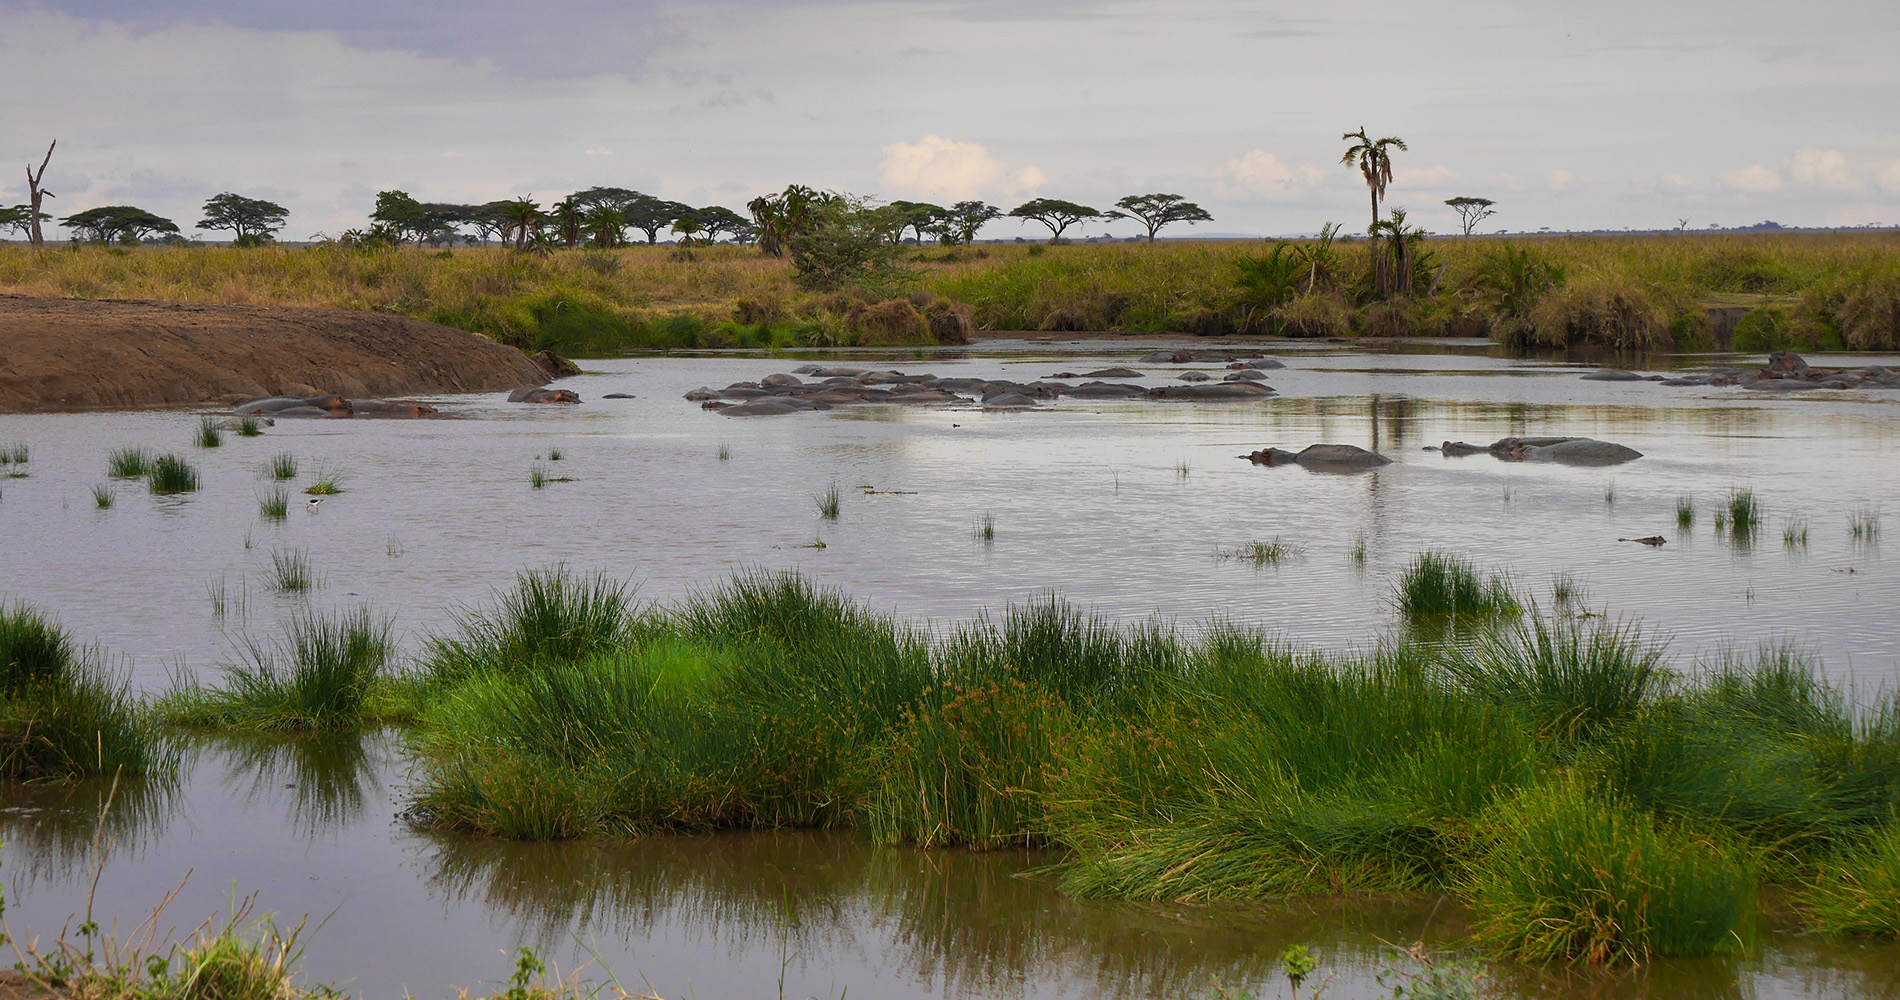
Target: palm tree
[570, 220]
[1375, 162]
[521, 217]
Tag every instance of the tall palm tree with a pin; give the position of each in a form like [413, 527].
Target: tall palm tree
[1374, 160]
[522, 216]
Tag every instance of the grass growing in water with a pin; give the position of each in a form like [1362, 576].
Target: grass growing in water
[61, 716]
[829, 502]
[128, 463]
[725, 451]
[1685, 512]
[554, 454]
[290, 571]
[1357, 553]
[1794, 534]
[210, 433]
[1440, 585]
[16, 453]
[551, 616]
[283, 466]
[985, 529]
[275, 505]
[1744, 511]
[249, 426]
[313, 679]
[1863, 525]
[171, 474]
[103, 496]
[329, 482]
[537, 475]
[1182, 469]
[1260, 554]
[1857, 891]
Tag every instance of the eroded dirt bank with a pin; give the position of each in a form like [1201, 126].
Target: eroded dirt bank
[66, 354]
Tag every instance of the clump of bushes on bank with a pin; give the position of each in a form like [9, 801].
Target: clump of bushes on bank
[1591, 804]
[61, 716]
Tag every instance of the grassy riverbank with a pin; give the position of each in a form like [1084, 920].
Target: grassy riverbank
[1807, 291]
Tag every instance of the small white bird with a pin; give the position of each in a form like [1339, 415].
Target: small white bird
[314, 502]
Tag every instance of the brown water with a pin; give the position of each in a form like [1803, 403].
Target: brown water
[1087, 499]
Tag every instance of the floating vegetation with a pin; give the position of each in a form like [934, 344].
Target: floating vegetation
[103, 496]
[171, 474]
[329, 482]
[1794, 534]
[210, 432]
[1260, 554]
[815, 543]
[290, 571]
[1863, 525]
[128, 463]
[249, 426]
[537, 475]
[985, 528]
[283, 466]
[1439, 585]
[1685, 512]
[725, 451]
[275, 505]
[830, 502]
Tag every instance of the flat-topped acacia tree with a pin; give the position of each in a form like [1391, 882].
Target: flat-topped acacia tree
[253, 221]
[1157, 210]
[1055, 213]
[119, 224]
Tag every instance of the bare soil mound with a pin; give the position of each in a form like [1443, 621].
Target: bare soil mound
[67, 354]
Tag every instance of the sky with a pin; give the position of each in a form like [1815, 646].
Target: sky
[1599, 115]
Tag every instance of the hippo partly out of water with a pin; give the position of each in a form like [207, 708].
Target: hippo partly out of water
[274, 404]
[1562, 450]
[1244, 375]
[540, 394]
[1613, 375]
[385, 408]
[1214, 390]
[1321, 458]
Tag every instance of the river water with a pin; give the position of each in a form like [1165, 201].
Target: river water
[1123, 507]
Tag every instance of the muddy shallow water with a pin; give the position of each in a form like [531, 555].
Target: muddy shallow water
[1088, 498]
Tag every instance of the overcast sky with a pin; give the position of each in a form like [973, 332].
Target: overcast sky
[1599, 114]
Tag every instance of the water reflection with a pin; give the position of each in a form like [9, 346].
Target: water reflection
[61, 828]
[330, 776]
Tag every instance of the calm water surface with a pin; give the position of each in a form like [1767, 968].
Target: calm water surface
[1088, 499]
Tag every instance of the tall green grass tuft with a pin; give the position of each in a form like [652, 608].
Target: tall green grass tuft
[1744, 511]
[171, 474]
[1440, 585]
[103, 496]
[551, 616]
[128, 463]
[1573, 875]
[249, 426]
[283, 466]
[1571, 677]
[210, 433]
[15, 453]
[1863, 525]
[314, 679]
[60, 715]
[1857, 891]
[829, 502]
[1685, 512]
[1262, 554]
[984, 530]
[328, 482]
[290, 571]
[275, 505]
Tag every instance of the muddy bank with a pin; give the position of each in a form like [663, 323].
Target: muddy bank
[67, 354]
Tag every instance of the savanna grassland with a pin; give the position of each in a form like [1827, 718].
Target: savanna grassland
[1803, 291]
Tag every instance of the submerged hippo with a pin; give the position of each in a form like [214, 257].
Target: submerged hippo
[538, 394]
[385, 408]
[1214, 390]
[276, 404]
[1322, 458]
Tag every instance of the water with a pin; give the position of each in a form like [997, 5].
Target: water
[1087, 498]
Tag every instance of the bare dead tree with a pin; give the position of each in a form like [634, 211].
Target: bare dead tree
[36, 193]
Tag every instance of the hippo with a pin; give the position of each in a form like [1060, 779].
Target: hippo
[537, 394]
[618, 395]
[847, 372]
[1107, 390]
[1218, 390]
[1612, 375]
[1563, 450]
[1157, 358]
[1322, 458]
[703, 393]
[1245, 375]
[777, 380]
[385, 408]
[273, 404]
[1194, 377]
[1008, 401]
[1111, 373]
[300, 412]
[807, 369]
[1260, 364]
[760, 408]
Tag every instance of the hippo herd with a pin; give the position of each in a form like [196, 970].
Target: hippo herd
[332, 405]
[822, 388]
[1786, 371]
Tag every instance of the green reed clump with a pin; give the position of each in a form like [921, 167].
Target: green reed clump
[103, 496]
[1570, 677]
[1744, 511]
[725, 451]
[1863, 525]
[314, 678]
[249, 426]
[1079, 657]
[1572, 875]
[1685, 512]
[1794, 534]
[290, 571]
[210, 433]
[1262, 554]
[328, 482]
[15, 453]
[1356, 554]
[1440, 585]
[1182, 469]
[1857, 891]
[985, 528]
[829, 502]
[537, 475]
[60, 715]
[551, 616]
[275, 505]
[128, 463]
[171, 474]
[283, 466]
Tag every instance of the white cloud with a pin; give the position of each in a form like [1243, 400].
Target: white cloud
[1756, 179]
[1889, 176]
[1825, 167]
[935, 167]
[1262, 174]
[1435, 176]
[1560, 180]
[1674, 182]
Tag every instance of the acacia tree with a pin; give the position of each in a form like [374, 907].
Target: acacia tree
[399, 215]
[253, 220]
[961, 222]
[918, 216]
[34, 193]
[1374, 159]
[650, 215]
[1055, 213]
[708, 223]
[1157, 210]
[118, 224]
[1471, 211]
[19, 218]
